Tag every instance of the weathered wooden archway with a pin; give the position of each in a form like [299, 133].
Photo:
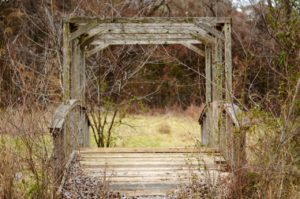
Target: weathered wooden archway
[83, 37]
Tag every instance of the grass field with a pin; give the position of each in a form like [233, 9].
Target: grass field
[159, 130]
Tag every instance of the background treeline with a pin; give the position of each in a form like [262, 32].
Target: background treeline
[265, 52]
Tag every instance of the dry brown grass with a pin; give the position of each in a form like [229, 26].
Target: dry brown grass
[164, 128]
[25, 154]
[9, 167]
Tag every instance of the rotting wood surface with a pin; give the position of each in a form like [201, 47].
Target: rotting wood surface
[146, 172]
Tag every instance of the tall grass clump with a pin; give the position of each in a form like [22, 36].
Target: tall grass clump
[25, 155]
[273, 153]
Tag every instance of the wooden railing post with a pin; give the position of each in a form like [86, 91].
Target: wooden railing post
[60, 133]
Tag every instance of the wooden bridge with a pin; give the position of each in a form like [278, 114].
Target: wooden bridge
[147, 171]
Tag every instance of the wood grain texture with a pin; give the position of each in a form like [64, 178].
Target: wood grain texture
[150, 171]
[208, 20]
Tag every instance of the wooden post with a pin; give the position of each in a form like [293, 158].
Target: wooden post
[217, 93]
[228, 62]
[58, 154]
[66, 84]
[229, 153]
[66, 61]
[75, 94]
[206, 129]
[84, 121]
[80, 122]
[76, 131]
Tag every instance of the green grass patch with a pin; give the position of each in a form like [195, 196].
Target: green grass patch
[164, 130]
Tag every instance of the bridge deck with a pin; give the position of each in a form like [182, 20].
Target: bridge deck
[149, 171]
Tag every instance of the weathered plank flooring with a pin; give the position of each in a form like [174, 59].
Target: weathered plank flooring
[149, 171]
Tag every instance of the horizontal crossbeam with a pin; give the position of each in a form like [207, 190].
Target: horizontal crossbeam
[152, 41]
[163, 31]
[109, 36]
[208, 20]
[147, 28]
[100, 45]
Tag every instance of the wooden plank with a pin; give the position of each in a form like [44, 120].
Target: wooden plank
[140, 171]
[149, 158]
[144, 36]
[160, 168]
[148, 150]
[209, 20]
[143, 179]
[162, 158]
[152, 41]
[149, 28]
[148, 31]
[144, 172]
[194, 49]
[144, 193]
[145, 163]
[153, 166]
[130, 26]
[146, 155]
[139, 30]
[145, 186]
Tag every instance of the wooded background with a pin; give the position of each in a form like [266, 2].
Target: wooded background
[266, 53]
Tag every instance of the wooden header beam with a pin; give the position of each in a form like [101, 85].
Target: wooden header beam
[207, 20]
[144, 31]
[102, 32]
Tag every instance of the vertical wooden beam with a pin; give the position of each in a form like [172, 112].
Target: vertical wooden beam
[75, 94]
[80, 123]
[217, 71]
[229, 139]
[66, 85]
[208, 73]
[66, 61]
[217, 93]
[75, 71]
[83, 119]
[228, 62]
[206, 129]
